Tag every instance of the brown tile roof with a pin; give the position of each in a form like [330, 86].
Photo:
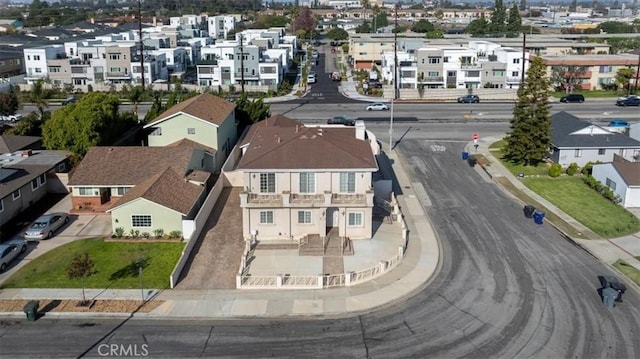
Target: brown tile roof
[281, 148]
[629, 171]
[206, 107]
[273, 121]
[166, 188]
[131, 165]
[12, 143]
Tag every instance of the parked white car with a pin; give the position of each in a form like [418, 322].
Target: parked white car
[10, 250]
[378, 106]
[11, 118]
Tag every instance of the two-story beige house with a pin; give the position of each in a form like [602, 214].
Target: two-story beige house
[205, 119]
[301, 181]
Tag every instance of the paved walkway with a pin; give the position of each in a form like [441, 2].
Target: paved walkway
[607, 250]
[411, 275]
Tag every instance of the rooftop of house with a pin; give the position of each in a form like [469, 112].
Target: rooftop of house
[287, 146]
[629, 171]
[12, 143]
[19, 168]
[592, 60]
[565, 125]
[206, 107]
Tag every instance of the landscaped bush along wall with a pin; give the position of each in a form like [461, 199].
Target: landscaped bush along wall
[572, 169]
[605, 191]
[555, 170]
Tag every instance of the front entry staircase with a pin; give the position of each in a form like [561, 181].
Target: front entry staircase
[330, 246]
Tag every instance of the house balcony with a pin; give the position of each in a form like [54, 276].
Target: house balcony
[79, 62]
[467, 66]
[118, 75]
[431, 79]
[247, 76]
[287, 199]
[513, 80]
[212, 62]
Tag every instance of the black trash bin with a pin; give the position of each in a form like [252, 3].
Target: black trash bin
[472, 160]
[529, 210]
[31, 310]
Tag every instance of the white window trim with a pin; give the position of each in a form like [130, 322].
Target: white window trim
[93, 191]
[314, 189]
[266, 217]
[577, 153]
[275, 184]
[305, 217]
[33, 188]
[141, 215]
[603, 150]
[355, 184]
[42, 179]
[13, 195]
[361, 219]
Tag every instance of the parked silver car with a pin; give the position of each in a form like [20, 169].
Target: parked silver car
[10, 250]
[45, 226]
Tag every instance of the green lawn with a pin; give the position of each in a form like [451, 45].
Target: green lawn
[497, 145]
[579, 201]
[542, 169]
[628, 270]
[113, 263]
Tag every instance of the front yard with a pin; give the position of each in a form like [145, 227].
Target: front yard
[114, 264]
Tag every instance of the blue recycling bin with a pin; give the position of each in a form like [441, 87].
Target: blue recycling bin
[465, 155]
[538, 217]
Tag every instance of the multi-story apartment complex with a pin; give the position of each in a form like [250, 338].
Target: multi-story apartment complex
[591, 72]
[219, 26]
[35, 60]
[481, 64]
[11, 62]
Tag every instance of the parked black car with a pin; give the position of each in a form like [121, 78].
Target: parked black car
[341, 120]
[629, 101]
[469, 99]
[574, 97]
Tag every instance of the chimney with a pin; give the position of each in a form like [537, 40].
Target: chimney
[278, 139]
[360, 129]
[296, 128]
[27, 153]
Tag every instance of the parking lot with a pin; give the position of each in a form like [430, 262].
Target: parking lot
[79, 226]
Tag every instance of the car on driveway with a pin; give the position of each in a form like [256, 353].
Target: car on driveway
[10, 250]
[378, 106]
[629, 101]
[469, 99]
[341, 120]
[46, 226]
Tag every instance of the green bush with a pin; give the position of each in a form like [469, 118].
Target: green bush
[175, 234]
[555, 170]
[572, 169]
[586, 170]
[119, 232]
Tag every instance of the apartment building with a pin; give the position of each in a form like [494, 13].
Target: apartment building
[35, 60]
[11, 62]
[481, 64]
[218, 27]
[592, 72]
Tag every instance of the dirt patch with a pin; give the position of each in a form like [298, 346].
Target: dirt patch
[99, 306]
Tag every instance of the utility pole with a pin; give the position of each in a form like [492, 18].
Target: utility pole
[241, 63]
[524, 58]
[635, 86]
[141, 42]
[395, 75]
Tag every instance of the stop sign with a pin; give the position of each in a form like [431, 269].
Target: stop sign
[475, 136]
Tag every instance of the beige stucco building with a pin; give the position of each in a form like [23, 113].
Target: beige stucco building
[592, 71]
[301, 181]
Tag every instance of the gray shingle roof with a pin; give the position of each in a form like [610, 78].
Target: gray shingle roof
[563, 124]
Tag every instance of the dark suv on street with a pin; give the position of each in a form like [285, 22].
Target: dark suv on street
[469, 99]
[574, 97]
[341, 120]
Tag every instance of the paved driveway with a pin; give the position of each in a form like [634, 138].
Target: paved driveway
[215, 259]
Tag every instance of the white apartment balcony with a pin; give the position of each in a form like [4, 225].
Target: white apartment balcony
[470, 66]
[431, 79]
[118, 75]
[287, 199]
[513, 80]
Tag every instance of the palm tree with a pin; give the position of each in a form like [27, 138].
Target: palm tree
[135, 94]
[38, 97]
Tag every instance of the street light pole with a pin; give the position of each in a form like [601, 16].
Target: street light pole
[141, 42]
[635, 85]
[395, 76]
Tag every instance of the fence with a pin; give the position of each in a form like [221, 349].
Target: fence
[103, 87]
[244, 280]
[452, 94]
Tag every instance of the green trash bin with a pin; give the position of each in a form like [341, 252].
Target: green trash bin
[31, 310]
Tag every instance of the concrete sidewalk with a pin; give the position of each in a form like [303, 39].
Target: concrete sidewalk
[411, 275]
[607, 250]
[348, 89]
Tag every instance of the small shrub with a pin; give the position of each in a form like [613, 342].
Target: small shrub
[572, 169]
[132, 233]
[146, 235]
[136, 233]
[175, 234]
[119, 232]
[158, 233]
[555, 170]
[587, 169]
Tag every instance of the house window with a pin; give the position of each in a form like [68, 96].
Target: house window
[114, 56]
[434, 60]
[266, 217]
[61, 167]
[42, 179]
[191, 131]
[34, 184]
[355, 219]
[307, 182]
[601, 151]
[122, 190]
[348, 182]
[433, 74]
[515, 73]
[36, 57]
[611, 184]
[88, 191]
[16, 194]
[141, 220]
[156, 132]
[516, 61]
[304, 217]
[577, 154]
[267, 183]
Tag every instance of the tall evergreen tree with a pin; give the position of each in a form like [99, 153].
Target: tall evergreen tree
[498, 18]
[514, 21]
[529, 137]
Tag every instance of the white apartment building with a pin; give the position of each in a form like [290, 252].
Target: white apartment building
[176, 59]
[219, 26]
[187, 20]
[155, 68]
[35, 61]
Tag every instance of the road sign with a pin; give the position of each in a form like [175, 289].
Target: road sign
[475, 137]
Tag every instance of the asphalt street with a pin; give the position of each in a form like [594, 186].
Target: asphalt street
[507, 288]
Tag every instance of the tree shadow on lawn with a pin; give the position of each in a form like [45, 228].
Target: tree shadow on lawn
[130, 270]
